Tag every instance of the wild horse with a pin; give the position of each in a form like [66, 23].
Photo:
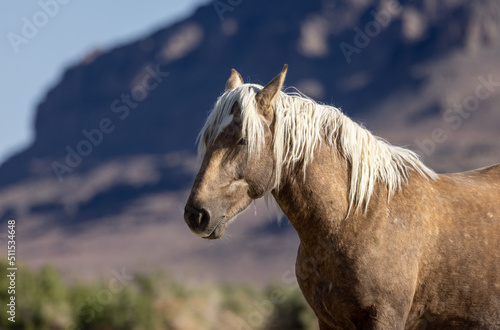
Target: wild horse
[386, 243]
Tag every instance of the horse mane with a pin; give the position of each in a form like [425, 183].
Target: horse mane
[301, 125]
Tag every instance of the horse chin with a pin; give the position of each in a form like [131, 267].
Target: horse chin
[218, 231]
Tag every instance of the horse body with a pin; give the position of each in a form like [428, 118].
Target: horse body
[429, 257]
[385, 242]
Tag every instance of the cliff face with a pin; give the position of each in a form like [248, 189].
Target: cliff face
[119, 128]
[154, 93]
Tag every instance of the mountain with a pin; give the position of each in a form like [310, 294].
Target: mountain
[114, 155]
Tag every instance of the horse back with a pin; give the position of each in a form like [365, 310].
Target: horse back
[479, 185]
[489, 172]
[462, 280]
[470, 201]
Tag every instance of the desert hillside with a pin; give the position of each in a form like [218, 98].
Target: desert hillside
[104, 183]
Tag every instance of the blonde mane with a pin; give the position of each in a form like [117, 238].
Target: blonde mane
[301, 125]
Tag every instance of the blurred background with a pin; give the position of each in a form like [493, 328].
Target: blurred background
[102, 103]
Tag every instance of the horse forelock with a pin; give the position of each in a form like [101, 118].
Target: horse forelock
[220, 117]
[300, 126]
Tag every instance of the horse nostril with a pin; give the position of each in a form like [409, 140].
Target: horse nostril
[205, 218]
[196, 218]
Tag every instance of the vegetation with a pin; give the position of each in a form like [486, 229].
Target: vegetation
[154, 301]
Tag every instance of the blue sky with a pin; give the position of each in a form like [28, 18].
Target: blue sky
[76, 28]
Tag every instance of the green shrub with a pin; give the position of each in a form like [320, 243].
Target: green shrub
[149, 301]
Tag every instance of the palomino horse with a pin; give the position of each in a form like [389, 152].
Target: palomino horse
[386, 243]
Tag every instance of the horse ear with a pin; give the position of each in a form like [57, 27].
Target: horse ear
[234, 80]
[267, 95]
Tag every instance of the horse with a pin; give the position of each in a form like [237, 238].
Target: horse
[385, 242]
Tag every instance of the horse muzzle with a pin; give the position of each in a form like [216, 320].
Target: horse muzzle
[199, 221]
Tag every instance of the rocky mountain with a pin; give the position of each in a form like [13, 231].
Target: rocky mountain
[114, 151]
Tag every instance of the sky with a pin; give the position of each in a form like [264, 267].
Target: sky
[40, 39]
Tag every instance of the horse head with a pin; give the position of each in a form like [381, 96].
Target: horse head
[237, 165]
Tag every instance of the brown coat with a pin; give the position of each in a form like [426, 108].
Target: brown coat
[428, 257]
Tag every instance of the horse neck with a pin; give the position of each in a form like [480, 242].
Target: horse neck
[317, 204]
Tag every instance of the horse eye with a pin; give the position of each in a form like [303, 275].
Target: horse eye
[242, 142]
